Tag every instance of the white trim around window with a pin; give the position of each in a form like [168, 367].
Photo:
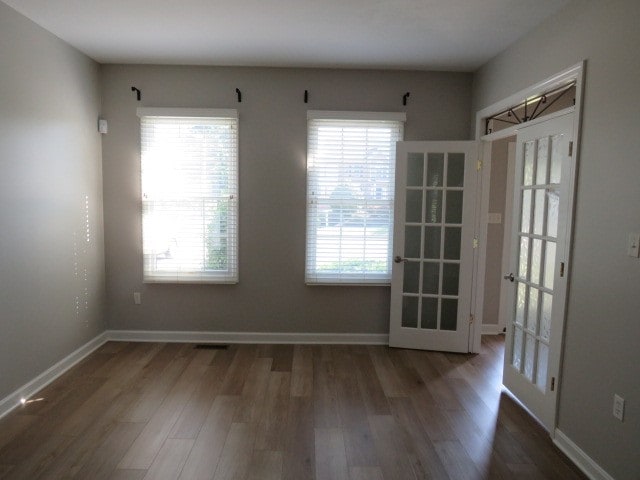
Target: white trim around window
[346, 115]
[350, 193]
[189, 179]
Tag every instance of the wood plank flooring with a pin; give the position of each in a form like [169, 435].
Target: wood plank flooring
[263, 412]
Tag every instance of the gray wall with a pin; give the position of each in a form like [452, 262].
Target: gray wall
[52, 279]
[602, 330]
[271, 295]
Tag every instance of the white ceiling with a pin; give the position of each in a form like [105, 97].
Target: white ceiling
[398, 34]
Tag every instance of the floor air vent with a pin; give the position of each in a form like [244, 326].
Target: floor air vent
[211, 346]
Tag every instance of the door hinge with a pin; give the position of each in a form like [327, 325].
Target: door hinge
[553, 383]
[571, 148]
[479, 165]
[471, 319]
[562, 269]
[475, 242]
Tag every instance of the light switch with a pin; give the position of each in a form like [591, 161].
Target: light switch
[136, 298]
[495, 218]
[618, 407]
[633, 245]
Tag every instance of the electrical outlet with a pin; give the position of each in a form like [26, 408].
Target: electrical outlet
[618, 407]
[136, 298]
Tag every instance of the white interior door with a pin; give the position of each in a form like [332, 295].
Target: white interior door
[433, 245]
[542, 194]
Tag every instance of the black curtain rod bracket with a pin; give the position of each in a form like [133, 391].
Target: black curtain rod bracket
[239, 95]
[404, 98]
[138, 93]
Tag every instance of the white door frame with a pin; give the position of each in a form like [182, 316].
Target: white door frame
[575, 74]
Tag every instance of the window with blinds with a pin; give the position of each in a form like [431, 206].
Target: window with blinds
[350, 191]
[189, 171]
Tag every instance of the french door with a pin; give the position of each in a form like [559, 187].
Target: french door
[538, 277]
[433, 245]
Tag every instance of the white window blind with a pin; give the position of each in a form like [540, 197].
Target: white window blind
[350, 191]
[189, 170]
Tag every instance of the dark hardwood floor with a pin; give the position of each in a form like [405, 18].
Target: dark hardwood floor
[168, 411]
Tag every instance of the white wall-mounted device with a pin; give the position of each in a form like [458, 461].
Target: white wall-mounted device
[103, 126]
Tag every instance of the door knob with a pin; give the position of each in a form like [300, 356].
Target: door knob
[399, 259]
[509, 277]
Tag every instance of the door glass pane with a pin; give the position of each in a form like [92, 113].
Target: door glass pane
[553, 199]
[549, 264]
[452, 243]
[525, 226]
[434, 206]
[527, 178]
[536, 261]
[415, 169]
[429, 313]
[516, 356]
[435, 169]
[414, 206]
[410, 312]
[538, 214]
[556, 159]
[545, 316]
[449, 314]
[412, 241]
[430, 277]
[520, 303]
[411, 277]
[450, 278]
[541, 164]
[543, 359]
[532, 313]
[523, 263]
[432, 242]
[529, 356]
[454, 206]
[455, 170]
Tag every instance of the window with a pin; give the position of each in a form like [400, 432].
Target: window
[350, 185]
[189, 171]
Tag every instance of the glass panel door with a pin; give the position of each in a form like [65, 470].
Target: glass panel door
[537, 237]
[543, 167]
[434, 207]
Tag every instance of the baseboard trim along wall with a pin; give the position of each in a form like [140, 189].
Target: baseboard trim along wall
[491, 329]
[248, 337]
[14, 399]
[583, 461]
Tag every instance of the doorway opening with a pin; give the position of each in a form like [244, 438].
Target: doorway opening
[524, 224]
[498, 234]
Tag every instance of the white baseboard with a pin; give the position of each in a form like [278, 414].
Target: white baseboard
[13, 400]
[491, 329]
[583, 461]
[248, 337]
